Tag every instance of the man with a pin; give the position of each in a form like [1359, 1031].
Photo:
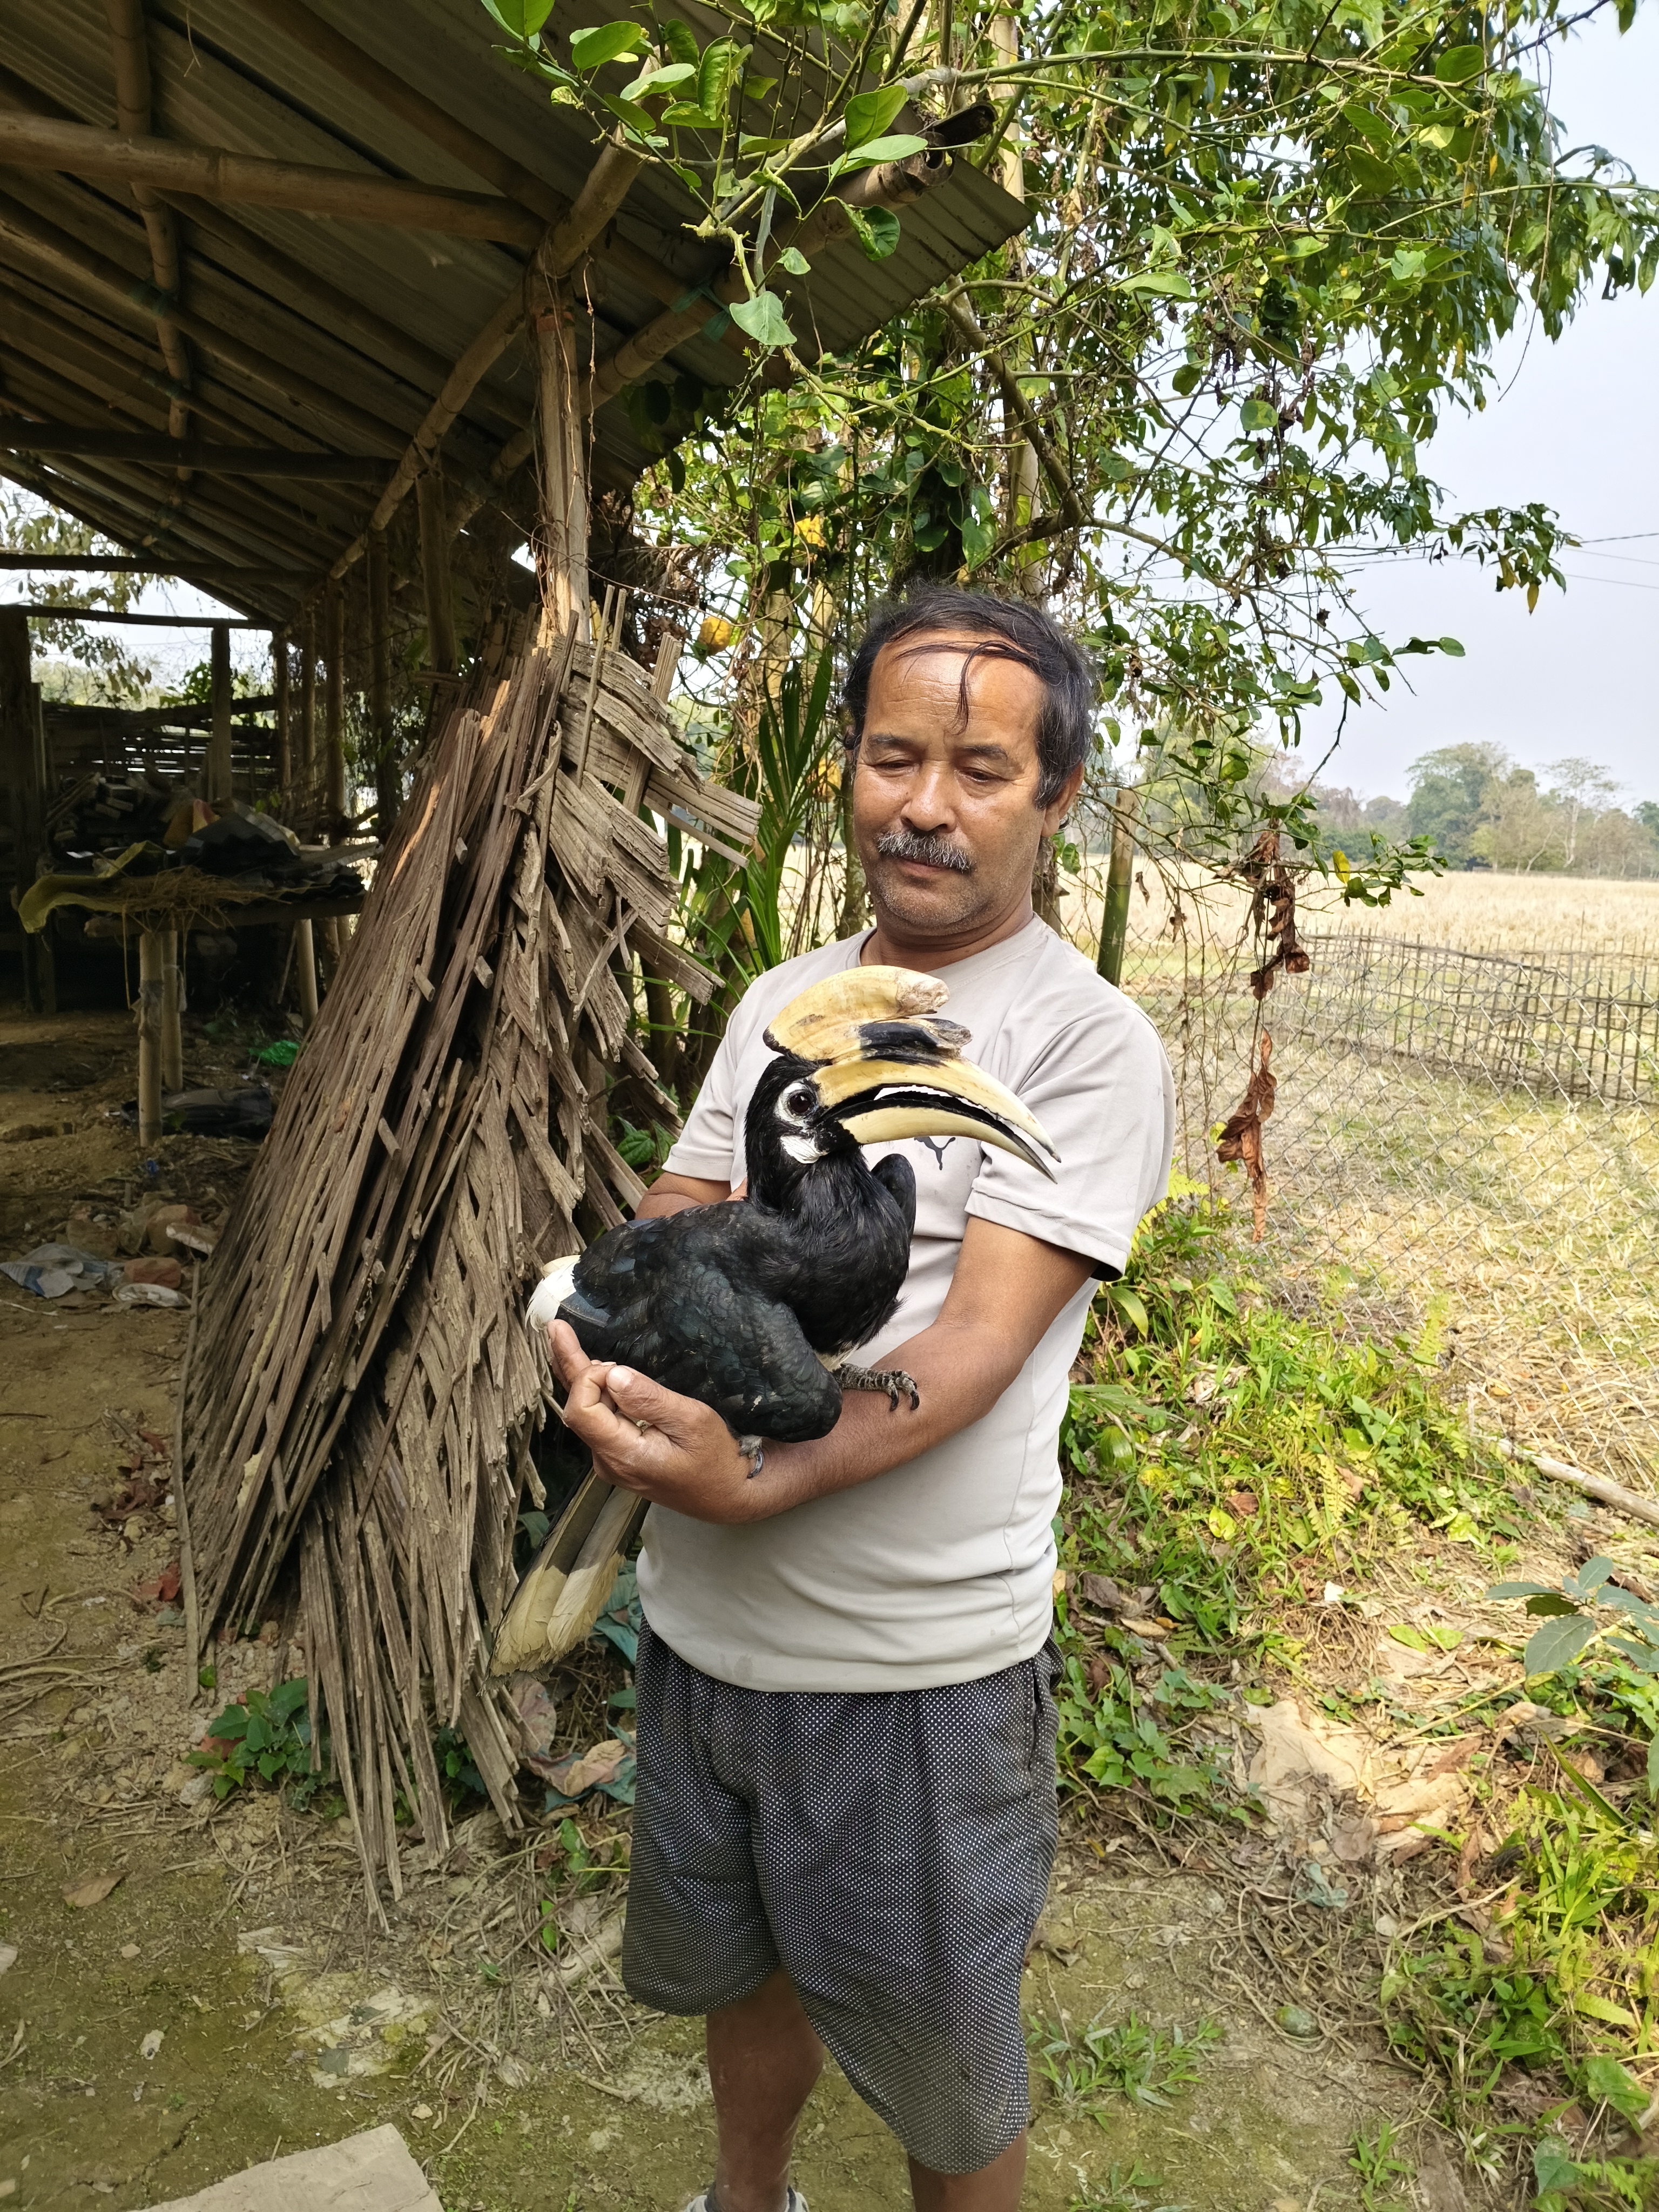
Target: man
[845, 1814]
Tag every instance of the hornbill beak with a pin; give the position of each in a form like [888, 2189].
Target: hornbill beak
[888, 1065]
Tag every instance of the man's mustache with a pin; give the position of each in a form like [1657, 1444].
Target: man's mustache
[934, 851]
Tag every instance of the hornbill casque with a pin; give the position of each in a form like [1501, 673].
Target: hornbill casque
[753, 1306]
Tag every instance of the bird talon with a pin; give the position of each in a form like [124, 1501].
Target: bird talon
[753, 1450]
[892, 1380]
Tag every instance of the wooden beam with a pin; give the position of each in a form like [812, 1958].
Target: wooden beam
[562, 547]
[139, 622]
[149, 1013]
[129, 40]
[279, 678]
[26, 437]
[125, 564]
[172, 1035]
[434, 574]
[21, 768]
[307, 760]
[40, 142]
[305, 973]
[334, 701]
[218, 750]
[388, 778]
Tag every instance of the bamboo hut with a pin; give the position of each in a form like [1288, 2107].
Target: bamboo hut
[327, 309]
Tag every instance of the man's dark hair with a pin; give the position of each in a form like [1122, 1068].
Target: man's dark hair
[1007, 629]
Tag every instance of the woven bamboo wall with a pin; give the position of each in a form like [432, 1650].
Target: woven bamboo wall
[359, 1405]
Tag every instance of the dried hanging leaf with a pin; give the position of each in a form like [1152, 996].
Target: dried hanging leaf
[1240, 1134]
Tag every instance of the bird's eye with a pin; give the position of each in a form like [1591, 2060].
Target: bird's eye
[798, 1103]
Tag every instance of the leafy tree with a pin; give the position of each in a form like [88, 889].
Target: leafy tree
[92, 662]
[1270, 248]
[1581, 787]
[1449, 796]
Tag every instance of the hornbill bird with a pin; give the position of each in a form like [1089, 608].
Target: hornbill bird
[753, 1306]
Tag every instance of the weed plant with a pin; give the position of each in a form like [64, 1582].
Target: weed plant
[1126, 2058]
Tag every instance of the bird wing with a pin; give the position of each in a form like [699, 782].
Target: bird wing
[677, 1296]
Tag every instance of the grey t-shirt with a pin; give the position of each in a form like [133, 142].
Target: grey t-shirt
[942, 1569]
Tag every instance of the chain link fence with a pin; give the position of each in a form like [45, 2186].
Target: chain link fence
[1463, 1151]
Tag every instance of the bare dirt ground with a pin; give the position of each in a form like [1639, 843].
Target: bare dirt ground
[198, 1986]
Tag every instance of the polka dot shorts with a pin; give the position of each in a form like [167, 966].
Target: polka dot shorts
[890, 1849]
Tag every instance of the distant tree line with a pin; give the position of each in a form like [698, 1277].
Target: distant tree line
[1481, 811]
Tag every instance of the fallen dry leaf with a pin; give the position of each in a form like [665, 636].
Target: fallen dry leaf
[93, 1891]
[596, 1765]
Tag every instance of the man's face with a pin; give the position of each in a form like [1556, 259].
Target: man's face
[944, 810]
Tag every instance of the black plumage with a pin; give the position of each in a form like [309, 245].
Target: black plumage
[752, 1306]
[733, 1305]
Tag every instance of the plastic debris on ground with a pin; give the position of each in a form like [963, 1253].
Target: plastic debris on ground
[52, 1270]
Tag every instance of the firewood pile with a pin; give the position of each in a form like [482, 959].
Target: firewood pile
[361, 1395]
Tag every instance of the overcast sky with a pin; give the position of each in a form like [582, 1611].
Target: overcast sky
[1576, 426]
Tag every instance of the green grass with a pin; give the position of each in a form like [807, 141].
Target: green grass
[1228, 1460]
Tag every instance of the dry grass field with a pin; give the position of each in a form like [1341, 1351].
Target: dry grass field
[1503, 1197]
[1476, 910]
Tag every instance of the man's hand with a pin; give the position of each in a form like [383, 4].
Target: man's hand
[684, 1456]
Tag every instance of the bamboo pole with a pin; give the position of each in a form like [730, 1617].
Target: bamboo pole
[334, 701]
[40, 142]
[561, 553]
[172, 1034]
[307, 698]
[25, 437]
[1120, 880]
[305, 973]
[131, 43]
[152, 564]
[279, 684]
[218, 759]
[150, 962]
[388, 782]
[434, 574]
[49, 613]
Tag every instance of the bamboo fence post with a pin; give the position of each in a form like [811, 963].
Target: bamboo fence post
[218, 759]
[305, 971]
[307, 697]
[434, 574]
[334, 701]
[172, 1035]
[151, 960]
[562, 560]
[279, 688]
[1119, 877]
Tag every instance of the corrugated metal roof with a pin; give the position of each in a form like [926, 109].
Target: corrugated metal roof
[364, 318]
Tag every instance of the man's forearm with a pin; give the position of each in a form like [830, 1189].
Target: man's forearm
[959, 1376]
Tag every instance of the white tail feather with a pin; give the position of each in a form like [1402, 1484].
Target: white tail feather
[558, 1281]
